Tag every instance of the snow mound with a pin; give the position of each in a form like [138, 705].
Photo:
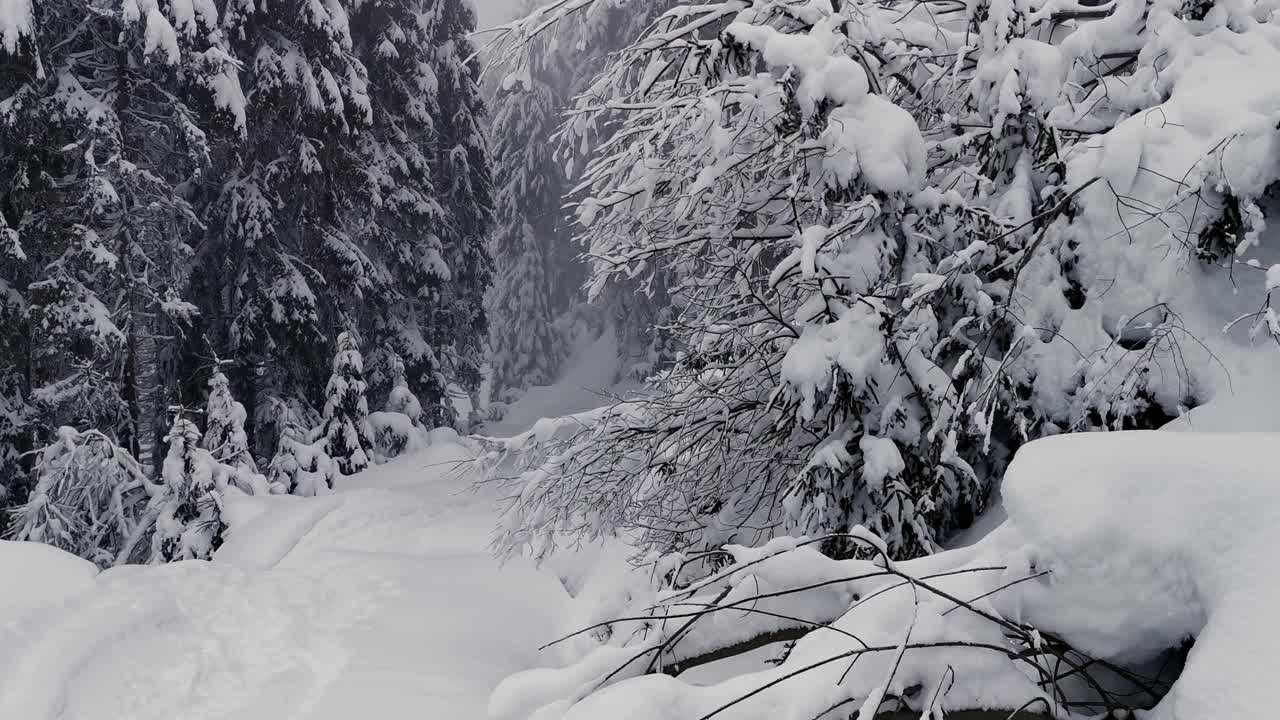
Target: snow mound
[1152, 538]
[1118, 548]
[39, 576]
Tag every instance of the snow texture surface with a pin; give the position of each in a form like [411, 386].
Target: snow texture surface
[377, 601]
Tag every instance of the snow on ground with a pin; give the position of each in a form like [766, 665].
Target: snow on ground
[379, 601]
[588, 381]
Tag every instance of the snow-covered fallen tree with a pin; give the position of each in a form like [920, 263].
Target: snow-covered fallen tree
[1119, 549]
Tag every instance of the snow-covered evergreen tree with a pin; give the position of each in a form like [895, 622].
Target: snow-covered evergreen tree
[89, 498]
[464, 191]
[402, 400]
[539, 261]
[348, 438]
[525, 349]
[188, 506]
[103, 145]
[399, 427]
[300, 467]
[224, 435]
[332, 212]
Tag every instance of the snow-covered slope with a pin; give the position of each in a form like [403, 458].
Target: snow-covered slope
[379, 601]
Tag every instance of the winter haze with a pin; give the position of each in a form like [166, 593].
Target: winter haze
[695, 360]
[495, 12]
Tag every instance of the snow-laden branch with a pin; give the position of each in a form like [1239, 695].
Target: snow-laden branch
[1119, 547]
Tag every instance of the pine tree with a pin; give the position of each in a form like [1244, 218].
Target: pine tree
[189, 521]
[332, 214]
[280, 265]
[401, 399]
[537, 290]
[300, 467]
[348, 439]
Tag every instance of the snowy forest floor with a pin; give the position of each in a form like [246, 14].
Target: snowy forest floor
[379, 601]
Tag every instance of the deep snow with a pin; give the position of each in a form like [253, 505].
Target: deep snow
[379, 601]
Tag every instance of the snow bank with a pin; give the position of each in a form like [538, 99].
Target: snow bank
[37, 576]
[1152, 538]
[1121, 545]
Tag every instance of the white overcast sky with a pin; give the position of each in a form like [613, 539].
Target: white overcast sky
[494, 12]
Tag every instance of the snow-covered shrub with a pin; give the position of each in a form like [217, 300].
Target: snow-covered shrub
[898, 241]
[401, 399]
[396, 434]
[90, 499]
[399, 428]
[348, 439]
[300, 466]
[188, 506]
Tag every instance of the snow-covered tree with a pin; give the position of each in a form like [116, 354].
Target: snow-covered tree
[540, 271]
[103, 144]
[90, 498]
[348, 438]
[889, 249]
[525, 349]
[188, 507]
[332, 213]
[464, 191]
[224, 434]
[398, 428]
[401, 398]
[300, 467]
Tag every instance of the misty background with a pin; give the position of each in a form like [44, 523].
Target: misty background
[494, 12]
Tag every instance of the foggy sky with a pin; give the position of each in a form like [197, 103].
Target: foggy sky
[494, 12]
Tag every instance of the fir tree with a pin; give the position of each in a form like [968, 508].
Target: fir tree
[188, 506]
[348, 439]
[401, 399]
[459, 327]
[526, 350]
[225, 437]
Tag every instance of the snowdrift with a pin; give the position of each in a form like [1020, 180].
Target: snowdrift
[1119, 548]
